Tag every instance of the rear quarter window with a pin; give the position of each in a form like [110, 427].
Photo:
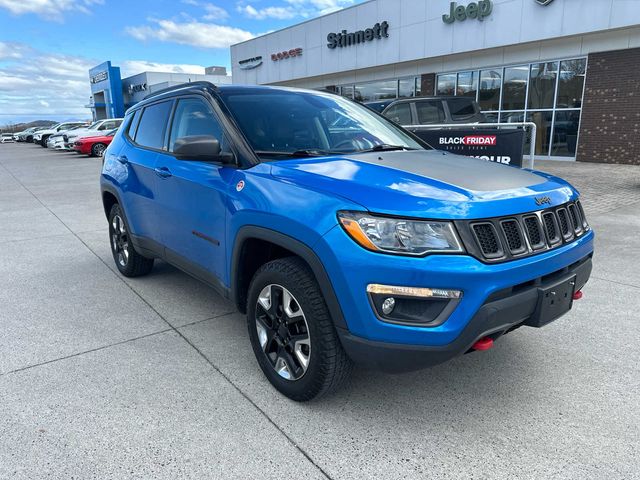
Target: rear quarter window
[461, 108]
[133, 124]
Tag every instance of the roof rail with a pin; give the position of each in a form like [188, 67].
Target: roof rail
[202, 83]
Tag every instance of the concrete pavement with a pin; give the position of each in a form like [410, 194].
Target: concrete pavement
[107, 377]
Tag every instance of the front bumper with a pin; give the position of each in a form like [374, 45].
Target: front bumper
[503, 312]
[352, 268]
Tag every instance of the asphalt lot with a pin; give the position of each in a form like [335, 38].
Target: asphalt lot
[107, 377]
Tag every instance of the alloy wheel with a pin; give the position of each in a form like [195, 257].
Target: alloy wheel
[120, 240]
[98, 149]
[283, 332]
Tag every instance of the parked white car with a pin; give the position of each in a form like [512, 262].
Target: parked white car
[57, 141]
[42, 136]
[6, 138]
[97, 128]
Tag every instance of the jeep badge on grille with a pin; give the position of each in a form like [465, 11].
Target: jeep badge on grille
[542, 200]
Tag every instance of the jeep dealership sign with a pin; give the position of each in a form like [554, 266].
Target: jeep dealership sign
[500, 146]
[477, 11]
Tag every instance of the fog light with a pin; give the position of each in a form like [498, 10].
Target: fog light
[388, 305]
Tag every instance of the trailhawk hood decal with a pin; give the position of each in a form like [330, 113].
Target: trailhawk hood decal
[426, 184]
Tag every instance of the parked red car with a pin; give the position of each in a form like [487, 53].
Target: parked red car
[94, 146]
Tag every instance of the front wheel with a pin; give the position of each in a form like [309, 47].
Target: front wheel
[291, 331]
[129, 262]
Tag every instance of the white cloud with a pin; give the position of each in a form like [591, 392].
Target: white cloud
[10, 51]
[194, 33]
[48, 9]
[43, 83]
[212, 12]
[280, 13]
[133, 67]
[293, 9]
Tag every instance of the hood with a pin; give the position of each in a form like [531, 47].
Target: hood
[427, 184]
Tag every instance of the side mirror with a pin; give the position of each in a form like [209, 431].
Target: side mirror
[202, 148]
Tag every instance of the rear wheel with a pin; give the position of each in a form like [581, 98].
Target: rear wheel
[291, 331]
[98, 149]
[129, 262]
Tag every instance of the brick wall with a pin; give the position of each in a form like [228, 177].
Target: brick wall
[610, 127]
[428, 84]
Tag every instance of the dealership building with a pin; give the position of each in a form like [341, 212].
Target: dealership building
[112, 95]
[570, 66]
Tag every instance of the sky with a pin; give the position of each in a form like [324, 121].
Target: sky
[48, 46]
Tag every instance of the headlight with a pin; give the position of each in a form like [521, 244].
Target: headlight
[399, 235]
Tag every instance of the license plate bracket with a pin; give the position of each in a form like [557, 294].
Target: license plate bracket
[553, 301]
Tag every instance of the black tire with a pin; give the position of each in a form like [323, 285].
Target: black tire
[328, 365]
[129, 262]
[43, 141]
[98, 149]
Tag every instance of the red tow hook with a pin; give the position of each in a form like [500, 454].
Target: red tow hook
[483, 344]
[578, 295]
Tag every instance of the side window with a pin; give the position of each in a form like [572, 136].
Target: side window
[400, 113]
[194, 117]
[133, 124]
[153, 124]
[430, 112]
[117, 123]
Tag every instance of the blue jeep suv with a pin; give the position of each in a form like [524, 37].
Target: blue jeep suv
[343, 237]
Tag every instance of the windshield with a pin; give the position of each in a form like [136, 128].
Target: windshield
[281, 122]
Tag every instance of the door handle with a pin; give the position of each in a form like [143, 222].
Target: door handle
[122, 159]
[163, 172]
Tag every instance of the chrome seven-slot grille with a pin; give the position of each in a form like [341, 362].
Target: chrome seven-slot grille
[516, 236]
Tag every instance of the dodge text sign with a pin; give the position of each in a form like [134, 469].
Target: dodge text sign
[500, 146]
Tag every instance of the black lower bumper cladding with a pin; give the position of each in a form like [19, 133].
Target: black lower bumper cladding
[503, 311]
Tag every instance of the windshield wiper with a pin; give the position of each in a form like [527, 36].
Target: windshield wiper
[385, 148]
[298, 153]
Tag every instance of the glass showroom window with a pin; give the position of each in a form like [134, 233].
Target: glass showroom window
[490, 89]
[514, 88]
[571, 84]
[367, 92]
[407, 88]
[467, 84]
[546, 93]
[446, 84]
[381, 90]
[542, 85]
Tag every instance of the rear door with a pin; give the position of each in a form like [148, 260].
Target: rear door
[192, 195]
[144, 139]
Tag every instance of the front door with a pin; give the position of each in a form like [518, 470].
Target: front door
[192, 195]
